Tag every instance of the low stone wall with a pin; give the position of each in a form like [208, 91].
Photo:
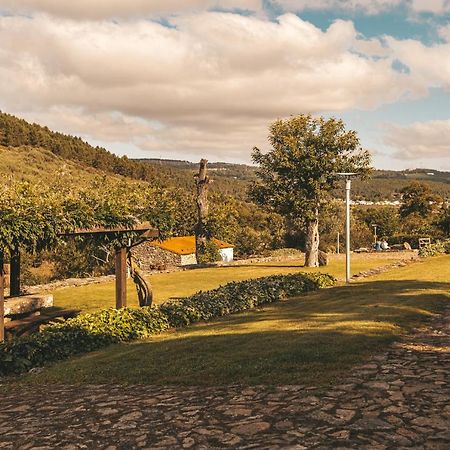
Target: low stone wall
[27, 304]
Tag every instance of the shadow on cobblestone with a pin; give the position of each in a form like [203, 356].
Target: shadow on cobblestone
[397, 399]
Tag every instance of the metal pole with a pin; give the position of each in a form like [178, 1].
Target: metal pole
[348, 185]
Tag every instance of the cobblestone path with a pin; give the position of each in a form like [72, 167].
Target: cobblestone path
[398, 399]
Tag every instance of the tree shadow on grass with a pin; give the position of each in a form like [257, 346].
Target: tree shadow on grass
[312, 339]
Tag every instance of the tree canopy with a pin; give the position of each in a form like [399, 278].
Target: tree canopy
[418, 198]
[296, 175]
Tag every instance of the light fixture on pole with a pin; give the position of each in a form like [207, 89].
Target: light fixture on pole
[374, 225]
[348, 184]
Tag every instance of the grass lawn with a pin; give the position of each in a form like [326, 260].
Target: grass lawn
[312, 339]
[179, 284]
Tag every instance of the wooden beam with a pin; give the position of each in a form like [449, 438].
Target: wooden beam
[14, 283]
[121, 277]
[2, 298]
[138, 228]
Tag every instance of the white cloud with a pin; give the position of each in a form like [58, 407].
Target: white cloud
[208, 83]
[367, 6]
[430, 65]
[431, 6]
[106, 9]
[420, 140]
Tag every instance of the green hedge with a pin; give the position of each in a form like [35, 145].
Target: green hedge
[439, 248]
[92, 331]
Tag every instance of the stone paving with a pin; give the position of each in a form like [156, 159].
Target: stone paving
[398, 399]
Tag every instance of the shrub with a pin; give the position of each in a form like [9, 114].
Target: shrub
[439, 248]
[91, 331]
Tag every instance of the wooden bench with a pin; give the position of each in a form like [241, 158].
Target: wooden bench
[32, 323]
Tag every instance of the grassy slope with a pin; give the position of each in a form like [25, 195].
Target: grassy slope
[178, 284]
[38, 165]
[312, 339]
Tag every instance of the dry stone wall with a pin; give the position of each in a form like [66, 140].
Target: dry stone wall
[150, 258]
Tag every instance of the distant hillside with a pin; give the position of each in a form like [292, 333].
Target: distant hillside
[229, 179]
[15, 132]
[42, 166]
[383, 185]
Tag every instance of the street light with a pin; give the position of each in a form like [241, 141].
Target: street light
[374, 225]
[348, 184]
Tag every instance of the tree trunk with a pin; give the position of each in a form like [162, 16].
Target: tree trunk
[312, 241]
[201, 234]
[14, 283]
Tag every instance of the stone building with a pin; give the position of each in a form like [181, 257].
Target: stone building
[174, 252]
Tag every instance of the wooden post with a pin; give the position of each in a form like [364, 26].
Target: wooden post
[2, 298]
[14, 284]
[121, 277]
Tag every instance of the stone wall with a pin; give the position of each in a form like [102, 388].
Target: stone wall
[188, 260]
[151, 258]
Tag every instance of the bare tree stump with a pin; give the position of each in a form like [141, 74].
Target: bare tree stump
[201, 232]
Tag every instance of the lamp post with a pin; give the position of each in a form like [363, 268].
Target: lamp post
[374, 225]
[348, 184]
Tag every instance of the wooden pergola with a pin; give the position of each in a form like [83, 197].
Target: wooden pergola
[143, 231]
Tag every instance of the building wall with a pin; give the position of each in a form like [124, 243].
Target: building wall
[187, 260]
[227, 254]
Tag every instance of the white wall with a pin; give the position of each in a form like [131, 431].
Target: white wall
[187, 260]
[227, 254]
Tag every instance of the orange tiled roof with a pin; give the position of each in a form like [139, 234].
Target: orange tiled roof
[185, 245]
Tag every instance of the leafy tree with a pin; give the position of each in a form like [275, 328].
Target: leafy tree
[296, 175]
[418, 198]
[386, 218]
[443, 222]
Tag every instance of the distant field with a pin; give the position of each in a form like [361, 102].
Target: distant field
[313, 339]
[180, 284]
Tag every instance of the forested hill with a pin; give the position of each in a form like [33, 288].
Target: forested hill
[229, 179]
[383, 185]
[15, 132]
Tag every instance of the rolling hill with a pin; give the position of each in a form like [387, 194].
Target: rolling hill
[34, 149]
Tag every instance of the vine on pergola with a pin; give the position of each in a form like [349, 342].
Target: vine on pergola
[35, 217]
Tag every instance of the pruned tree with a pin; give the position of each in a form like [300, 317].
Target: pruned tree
[296, 175]
[201, 230]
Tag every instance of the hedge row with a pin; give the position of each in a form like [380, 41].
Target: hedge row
[91, 331]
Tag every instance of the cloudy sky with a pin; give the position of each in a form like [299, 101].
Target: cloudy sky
[191, 78]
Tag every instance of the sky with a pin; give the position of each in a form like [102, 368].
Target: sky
[185, 79]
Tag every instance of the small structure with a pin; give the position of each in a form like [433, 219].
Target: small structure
[140, 233]
[177, 251]
[424, 242]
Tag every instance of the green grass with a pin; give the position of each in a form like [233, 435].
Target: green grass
[312, 340]
[179, 284]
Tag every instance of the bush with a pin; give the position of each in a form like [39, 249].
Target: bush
[88, 332]
[439, 248]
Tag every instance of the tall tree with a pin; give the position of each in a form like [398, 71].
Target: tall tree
[418, 198]
[295, 176]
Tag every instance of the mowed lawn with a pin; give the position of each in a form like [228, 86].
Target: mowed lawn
[178, 284]
[312, 339]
